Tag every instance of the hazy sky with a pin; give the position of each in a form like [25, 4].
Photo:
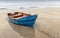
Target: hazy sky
[29, 0]
[26, 0]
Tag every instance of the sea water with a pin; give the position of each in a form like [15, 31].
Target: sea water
[29, 4]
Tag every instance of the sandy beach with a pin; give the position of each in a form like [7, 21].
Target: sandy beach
[47, 24]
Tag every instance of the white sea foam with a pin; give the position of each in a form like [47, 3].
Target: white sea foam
[41, 4]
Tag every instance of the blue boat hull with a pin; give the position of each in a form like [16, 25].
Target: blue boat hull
[26, 21]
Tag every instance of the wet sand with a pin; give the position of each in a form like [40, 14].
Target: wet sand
[46, 26]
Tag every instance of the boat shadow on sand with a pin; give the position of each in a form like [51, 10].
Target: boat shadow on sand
[25, 31]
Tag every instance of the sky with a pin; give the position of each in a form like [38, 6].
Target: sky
[29, 0]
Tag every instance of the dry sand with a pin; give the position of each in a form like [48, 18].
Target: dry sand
[46, 26]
